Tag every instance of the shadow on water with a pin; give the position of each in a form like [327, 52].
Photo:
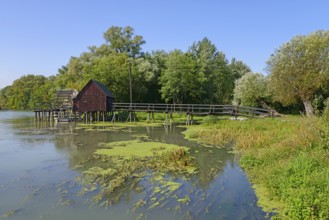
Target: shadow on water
[45, 187]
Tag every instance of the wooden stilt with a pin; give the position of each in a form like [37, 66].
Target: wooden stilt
[188, 119]
[113, 118]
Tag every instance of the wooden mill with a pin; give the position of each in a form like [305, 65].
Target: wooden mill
[94, 101]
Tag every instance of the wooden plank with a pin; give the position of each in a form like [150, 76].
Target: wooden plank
[200, 109]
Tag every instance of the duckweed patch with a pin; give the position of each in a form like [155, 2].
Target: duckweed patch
[124, 164]
[140, 136]
[136, 148]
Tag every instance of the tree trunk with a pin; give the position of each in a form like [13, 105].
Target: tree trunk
[308, 108]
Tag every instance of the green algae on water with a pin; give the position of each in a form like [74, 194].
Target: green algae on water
[186, 200]
[130, 149]
[124, 164]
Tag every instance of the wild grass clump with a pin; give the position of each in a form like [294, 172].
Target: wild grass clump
[179, 161]
[286, 159]
[210, 119]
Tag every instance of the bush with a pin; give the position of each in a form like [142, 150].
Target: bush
[325, 114]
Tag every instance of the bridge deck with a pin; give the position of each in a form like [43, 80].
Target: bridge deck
[194, 109]
[46, 112]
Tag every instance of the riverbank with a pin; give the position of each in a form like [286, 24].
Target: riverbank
[286, 159]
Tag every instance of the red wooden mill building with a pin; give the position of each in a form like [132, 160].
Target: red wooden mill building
[95, 101]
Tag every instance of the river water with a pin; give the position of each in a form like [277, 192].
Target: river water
[39, 165]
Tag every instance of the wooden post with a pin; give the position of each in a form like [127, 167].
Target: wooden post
[166, 120]
[85, 115]
[188, 119]
[148, 117]
[171, 119]
[113, 117]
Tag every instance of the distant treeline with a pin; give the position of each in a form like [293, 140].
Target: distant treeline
[202, 74]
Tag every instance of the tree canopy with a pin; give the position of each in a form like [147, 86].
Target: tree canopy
[251, 90]
[202, 74]
[299, 68]
[122, 40]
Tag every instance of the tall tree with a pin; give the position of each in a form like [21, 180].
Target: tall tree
[123, 40]
[179, 82]
[238, 68]
[158, 60]
[221, 82]
[5, 94]
[204, 54]
[212, 73]
[25, 91]
[251, 90]
[299, 68]
[112, 71]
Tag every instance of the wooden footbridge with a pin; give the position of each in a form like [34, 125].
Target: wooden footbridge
[190, 110]
[96, 103]
[193, 109]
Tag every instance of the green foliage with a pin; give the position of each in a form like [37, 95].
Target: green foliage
[250, 161]
[5, 94]
[200, 75]
[300, 68]
[215, 78]
[318, 104]
[286, 160]
[238, 68]
[251, 89]
[26, 91]
[179, 81]
[210, 119]
[325, 114]
[302, 185]
[122, 40]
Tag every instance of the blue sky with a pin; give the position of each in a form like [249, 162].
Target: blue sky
[39, 36]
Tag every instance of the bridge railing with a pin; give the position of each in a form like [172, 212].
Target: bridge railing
[195, 109]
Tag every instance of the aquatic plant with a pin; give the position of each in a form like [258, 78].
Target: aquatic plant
[9, 214]
[128, 162]
[178, 160]
[135, 148]
[286, 159]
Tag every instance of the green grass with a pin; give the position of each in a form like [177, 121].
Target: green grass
[286, 159]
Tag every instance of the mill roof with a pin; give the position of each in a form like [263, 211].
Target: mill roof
[103, 88]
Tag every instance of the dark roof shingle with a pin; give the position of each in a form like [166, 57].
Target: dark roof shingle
[103, 88]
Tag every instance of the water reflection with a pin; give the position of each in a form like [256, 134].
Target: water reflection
[43, 186]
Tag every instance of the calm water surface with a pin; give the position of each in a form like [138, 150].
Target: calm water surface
[38, 171]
